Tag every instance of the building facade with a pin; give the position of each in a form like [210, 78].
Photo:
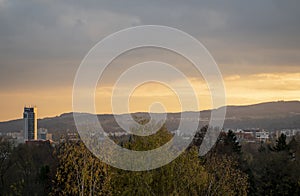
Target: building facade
[30, 123]
[43, 134]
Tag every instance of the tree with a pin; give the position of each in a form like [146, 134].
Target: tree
[199, 135]
[183, 176]
[186, 175]
[228, 144]
[79, 172]
[6, 148]
[275, 171]
[31, 169]
[225, 177]
[280, 144]
[232, 142]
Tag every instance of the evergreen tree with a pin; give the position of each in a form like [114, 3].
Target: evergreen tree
[228, 144]
[232, 141]
[281, 144]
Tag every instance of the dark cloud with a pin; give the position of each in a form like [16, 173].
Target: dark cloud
[46, 40]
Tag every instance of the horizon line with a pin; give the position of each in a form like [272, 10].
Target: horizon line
[231, 105]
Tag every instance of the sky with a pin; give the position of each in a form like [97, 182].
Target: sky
[256, 45]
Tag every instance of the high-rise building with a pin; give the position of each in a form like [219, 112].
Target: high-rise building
[30, 123]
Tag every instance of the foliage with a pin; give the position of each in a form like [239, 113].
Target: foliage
[31, 168]
[71, 169]
[281, 144]
[186, 175]
[6, 148]
[228, 144]
[225, 178]
[276, 172]
[79, 172]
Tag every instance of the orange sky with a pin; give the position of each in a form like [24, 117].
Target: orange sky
[240, 90]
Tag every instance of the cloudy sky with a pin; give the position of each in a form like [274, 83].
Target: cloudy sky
[255, 43]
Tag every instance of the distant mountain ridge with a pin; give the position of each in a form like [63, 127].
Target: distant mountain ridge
[279, 108]
[269, 115]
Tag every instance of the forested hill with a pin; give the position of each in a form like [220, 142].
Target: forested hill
[270, 115]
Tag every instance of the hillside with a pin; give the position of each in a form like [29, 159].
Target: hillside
[270, 115]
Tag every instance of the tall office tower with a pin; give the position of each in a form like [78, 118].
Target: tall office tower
[30, 123]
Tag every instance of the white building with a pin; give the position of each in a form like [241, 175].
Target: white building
[43, 134]
[262, 135]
